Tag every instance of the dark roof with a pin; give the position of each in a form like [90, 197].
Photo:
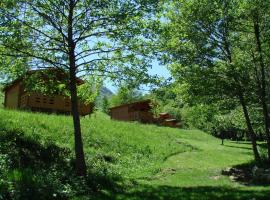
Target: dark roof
[148, 101]
[30, 72]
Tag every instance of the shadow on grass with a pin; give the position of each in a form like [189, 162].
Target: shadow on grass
[147, 192]
[238, 147]
[245, 174]
[263, 145]
[240, 142]
[30, 170]
[260, 144]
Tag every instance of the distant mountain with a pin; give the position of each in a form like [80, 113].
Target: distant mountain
[105, 92]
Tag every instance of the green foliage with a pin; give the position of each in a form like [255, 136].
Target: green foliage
[12, 68]
[166, 100]
[90, 90]
[200, 116]
[33, 170]
[228, 124]
[50, 82]
[110, 36]
[125, 95]
[105, 105]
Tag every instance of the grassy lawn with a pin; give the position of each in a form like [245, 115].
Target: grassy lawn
[149, 162]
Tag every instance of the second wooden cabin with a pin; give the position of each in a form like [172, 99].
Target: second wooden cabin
[142, 112]
[137, 111]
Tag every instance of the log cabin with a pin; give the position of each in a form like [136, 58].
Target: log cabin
[142, 112]
[137, 111]
[19, 96]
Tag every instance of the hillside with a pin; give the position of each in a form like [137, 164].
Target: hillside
[125, 161]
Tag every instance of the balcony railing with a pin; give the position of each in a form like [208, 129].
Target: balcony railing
[57, 103]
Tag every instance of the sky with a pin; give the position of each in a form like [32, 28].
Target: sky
[156, 69]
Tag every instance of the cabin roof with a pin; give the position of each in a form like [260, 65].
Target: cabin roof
[134, 104]
[30, 72]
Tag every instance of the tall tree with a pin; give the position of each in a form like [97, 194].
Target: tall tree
[253, 28]
[258, 13]
[82, 37]
[202, 47]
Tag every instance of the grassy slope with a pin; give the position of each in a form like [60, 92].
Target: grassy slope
[135, 150]
[165, 163]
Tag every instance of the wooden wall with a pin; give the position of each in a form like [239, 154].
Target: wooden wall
[55, 103]
[12, 97]
[125, 114]
[15, 98]
[120, 113]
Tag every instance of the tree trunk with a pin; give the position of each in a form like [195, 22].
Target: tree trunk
[262, 86]
[80, 160]
[222, 138]
[249, 126]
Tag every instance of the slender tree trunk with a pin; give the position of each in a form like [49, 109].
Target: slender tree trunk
[240, 94]
[249, 126]
[262, 86]
[80, 159]
[222, 138]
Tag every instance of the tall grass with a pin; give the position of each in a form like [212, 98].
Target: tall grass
[131, 150]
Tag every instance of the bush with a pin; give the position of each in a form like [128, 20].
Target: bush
[32, 170]
[199, 116]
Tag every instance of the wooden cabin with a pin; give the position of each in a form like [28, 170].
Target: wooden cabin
[142, 111]
[18, 97]
[165, 119]
[137, 111]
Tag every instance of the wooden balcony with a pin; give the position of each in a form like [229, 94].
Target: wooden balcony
[54, 104]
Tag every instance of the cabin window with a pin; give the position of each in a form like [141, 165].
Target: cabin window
[44, 100]
[51, 101]
[37, 99]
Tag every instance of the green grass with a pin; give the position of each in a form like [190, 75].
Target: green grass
[150, 162]
[136, 150]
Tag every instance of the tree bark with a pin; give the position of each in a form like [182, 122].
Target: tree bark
[249, 125]
[262, 86]
[80, 159]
